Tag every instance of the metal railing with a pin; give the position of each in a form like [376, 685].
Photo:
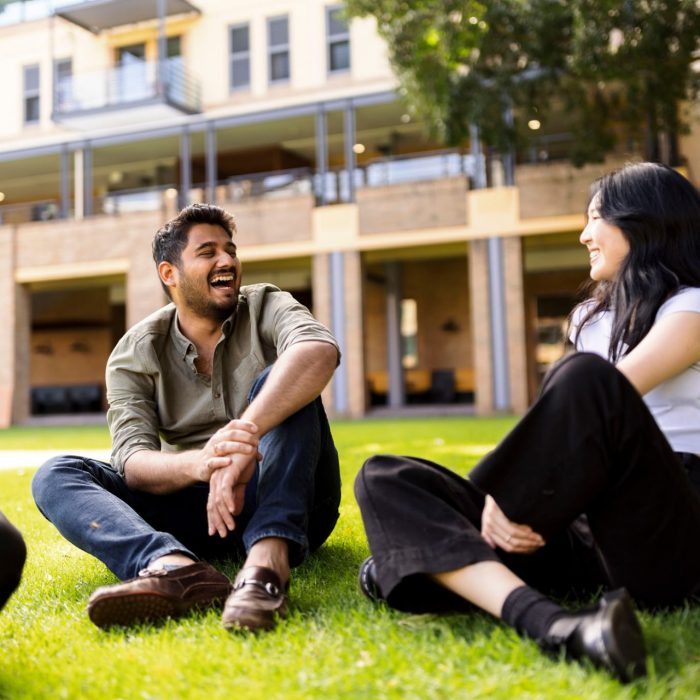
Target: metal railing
[129, 201]
[25, 212]
[135, 82]
[330, 187]
[430, 165]
[272, 184]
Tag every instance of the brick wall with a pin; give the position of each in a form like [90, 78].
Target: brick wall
[265, 220]
[417, 205]
[441, 290]
[554, 189]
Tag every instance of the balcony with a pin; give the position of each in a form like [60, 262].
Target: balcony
[129, 94]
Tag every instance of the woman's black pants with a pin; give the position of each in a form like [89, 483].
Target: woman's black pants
[587, 467]
[12, 556]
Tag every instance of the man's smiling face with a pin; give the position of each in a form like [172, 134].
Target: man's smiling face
[208, 275]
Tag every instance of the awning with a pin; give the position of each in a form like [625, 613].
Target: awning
[98, 15]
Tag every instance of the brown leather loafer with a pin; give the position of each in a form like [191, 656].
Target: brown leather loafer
[258, 599]
[157, 594]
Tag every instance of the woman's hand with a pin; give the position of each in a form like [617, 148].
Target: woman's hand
[500, 532]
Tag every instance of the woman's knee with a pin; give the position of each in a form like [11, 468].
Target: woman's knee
[374, 469]
[383, 474]
[581, 371]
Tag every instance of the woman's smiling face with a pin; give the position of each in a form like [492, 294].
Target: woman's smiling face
[607, 245]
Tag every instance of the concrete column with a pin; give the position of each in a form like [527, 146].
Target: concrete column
[88, 189]
[515, 322]
[15, 338]
[321, 156]
[144, 293]
[7, 337]
[210, 159]
[481, 324]
[162, 61]
[321, 291]
[354, 358]
[337, 284]
[337, 292]
[64, 180]
[22, 341]
[499, 335]
[78, 189]
[185, 168]
[350, 160]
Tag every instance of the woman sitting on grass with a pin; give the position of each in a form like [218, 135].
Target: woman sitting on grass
[598, 486]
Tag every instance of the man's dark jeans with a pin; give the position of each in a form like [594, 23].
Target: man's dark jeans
[294, 495]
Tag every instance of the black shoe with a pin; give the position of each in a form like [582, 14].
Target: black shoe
[608, 635]
[368, 580]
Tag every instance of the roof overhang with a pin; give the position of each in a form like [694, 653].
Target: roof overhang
[99, 15]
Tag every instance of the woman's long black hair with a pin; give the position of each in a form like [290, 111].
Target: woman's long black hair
[658, 212]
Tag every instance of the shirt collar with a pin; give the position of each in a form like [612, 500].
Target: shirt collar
[184, 345]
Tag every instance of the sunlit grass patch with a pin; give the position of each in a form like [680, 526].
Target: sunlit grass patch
[335, 643]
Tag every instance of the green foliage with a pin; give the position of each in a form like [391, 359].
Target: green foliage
[335, 645]
[607, 65]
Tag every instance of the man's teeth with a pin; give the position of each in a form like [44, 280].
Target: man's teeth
[218, 279]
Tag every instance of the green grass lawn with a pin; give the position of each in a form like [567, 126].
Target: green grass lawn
[335, 644]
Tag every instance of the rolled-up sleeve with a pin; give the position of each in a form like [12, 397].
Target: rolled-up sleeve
[285, 322]
[131, 393]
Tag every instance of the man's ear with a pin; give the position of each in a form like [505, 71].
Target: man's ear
[167, 273]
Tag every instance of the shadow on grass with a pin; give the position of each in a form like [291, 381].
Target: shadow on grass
[5, 693]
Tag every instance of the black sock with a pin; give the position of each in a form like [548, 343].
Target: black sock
[530, 612]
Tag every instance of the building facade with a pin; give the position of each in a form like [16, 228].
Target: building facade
[442, 284]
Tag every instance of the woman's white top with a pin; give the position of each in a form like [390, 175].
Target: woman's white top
[675, 403]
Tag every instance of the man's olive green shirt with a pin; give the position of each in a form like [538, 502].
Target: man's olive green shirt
[158, 400]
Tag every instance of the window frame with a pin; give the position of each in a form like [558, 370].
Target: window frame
[236, 56]
[333, 39]
[276, 50]
[31, 94]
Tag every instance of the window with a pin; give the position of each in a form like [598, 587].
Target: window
[239, 65]
[409, 333]
[31, 94]
[278, 48]
[173, 47]
[62, 79]
[338, 40]
[131, 75]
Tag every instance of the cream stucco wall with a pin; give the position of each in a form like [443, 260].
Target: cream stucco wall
[205, 48]
[36, 43]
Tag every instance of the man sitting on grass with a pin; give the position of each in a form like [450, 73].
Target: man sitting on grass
[220, 444]
[12, 556]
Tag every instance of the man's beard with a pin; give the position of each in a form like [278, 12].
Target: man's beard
[203, 305]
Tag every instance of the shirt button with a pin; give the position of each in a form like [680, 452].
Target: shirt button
[217, 395]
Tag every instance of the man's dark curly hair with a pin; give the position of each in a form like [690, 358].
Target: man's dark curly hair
[170, 240]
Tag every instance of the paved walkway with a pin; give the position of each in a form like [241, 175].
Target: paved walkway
[21, 459]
